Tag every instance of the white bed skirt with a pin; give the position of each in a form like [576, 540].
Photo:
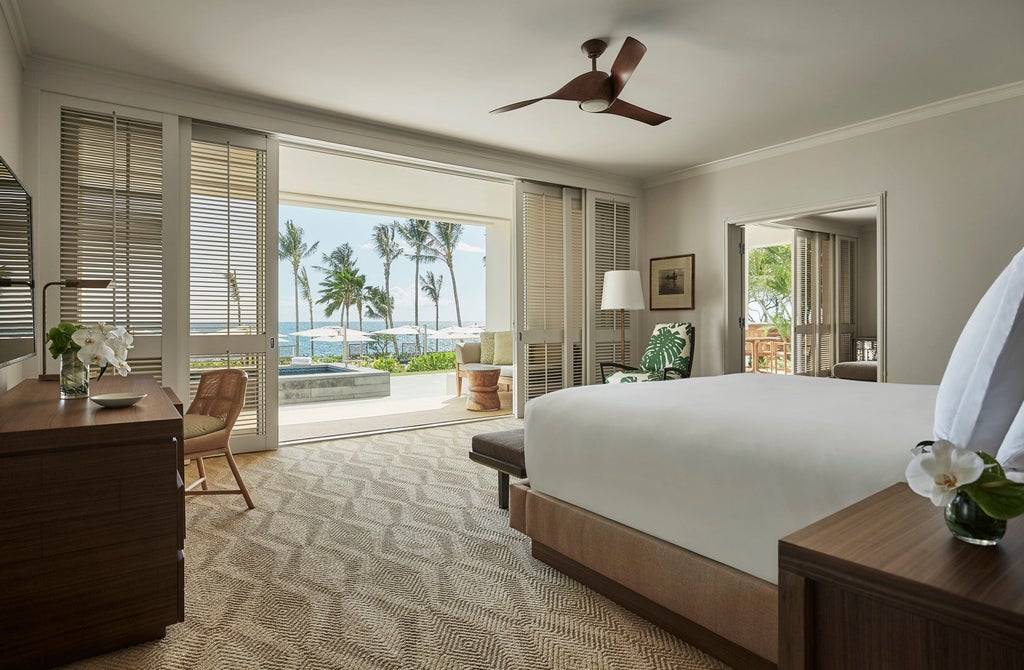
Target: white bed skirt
[724, 466]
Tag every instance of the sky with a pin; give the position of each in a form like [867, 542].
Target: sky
[332, 228]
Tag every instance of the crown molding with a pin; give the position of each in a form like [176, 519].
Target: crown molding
[908, 116]
[293, 122]
[12, 15]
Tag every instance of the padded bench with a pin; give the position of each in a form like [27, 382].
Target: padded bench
[503, 451]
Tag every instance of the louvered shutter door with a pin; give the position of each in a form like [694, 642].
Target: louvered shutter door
[111, 225]
[16, 325]
[576, 281]
[542, 320]
[613, 250]
[846, 297]
[804, 303]
[228, 279]
[826, 307]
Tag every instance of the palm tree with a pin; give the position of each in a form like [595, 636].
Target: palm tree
[359, 295]
[385, 243]
[432, 288]
[307, 295]
[381, 305]
[341, 257]
[292, 248]
[337, 294]
[446, 238]
[416, 233]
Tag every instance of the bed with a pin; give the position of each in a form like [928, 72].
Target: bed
[679, 491]
[670, 497]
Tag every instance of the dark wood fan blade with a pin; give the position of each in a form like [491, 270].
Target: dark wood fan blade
[515, 105]
[587, 86]
[629, 57]
[623, 108]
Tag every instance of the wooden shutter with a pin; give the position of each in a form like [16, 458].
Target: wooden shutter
[111, 225]
[612, 237]
[229, 303]
[542, 286]
[17, 334]
[846, 297]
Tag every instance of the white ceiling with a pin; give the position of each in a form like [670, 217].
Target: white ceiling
[735, 75]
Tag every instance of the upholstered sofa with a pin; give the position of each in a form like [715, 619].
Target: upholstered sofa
[494, 348]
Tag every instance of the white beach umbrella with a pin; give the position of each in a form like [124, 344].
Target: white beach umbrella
[327, 331]
[454, 333]
[405, 330]
[353, 336]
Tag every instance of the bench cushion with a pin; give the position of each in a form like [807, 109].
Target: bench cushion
[505, 445]
[861, 371]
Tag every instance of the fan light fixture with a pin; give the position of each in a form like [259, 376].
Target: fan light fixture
[595, 105]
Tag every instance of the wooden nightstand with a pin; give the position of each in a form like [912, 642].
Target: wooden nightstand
[882, 584]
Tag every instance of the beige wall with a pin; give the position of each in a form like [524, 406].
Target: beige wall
[955, 216]
[10, 148]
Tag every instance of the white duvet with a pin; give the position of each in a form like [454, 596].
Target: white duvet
[724, 466]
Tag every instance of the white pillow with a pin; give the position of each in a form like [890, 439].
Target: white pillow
[982, 389]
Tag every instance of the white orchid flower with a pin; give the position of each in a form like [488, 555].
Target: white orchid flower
[95, 353]
[87, 336]
[120, 351]
[937, 472]
[121, 367]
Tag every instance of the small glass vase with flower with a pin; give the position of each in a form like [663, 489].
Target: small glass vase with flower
[78, 346]
[973, 487]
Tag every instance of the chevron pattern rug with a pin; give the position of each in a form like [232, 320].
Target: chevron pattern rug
[383, 552]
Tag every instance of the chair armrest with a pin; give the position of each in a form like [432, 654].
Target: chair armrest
[620, 366]
[467, 352]
[679, 371]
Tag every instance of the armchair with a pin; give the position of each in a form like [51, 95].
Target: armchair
[669, 355]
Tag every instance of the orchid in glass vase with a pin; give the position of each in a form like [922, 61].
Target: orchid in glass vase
[79, 346]
[972, 486]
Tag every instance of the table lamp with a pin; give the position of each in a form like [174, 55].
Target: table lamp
[69, 283]
[622, 291]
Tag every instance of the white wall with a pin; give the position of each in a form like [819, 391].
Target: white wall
[11, 130]
[955, 214]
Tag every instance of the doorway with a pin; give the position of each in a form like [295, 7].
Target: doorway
[807, 290]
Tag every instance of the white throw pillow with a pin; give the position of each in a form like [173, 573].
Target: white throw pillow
[982, 389]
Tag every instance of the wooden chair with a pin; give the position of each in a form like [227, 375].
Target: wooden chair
[208, 424]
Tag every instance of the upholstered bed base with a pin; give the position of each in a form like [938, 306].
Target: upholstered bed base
[726, 612]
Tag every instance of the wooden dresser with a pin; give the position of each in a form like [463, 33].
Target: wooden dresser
[882, 584]
[91, 521]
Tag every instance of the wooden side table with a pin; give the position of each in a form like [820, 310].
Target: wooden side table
[882, 584]
[483, 387]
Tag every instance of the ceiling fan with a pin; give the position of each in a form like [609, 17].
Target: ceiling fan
[597, 91]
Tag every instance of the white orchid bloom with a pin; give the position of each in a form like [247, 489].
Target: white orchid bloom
[121, 367]
[120, 351]
[87, 336]
[937, 472]
[95, 353]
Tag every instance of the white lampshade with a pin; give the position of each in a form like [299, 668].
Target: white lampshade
[622, 290]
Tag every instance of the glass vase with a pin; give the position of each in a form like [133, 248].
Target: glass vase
[967, 522]
[74, 377]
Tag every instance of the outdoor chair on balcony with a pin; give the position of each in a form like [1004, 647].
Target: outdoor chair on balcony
[669, 355]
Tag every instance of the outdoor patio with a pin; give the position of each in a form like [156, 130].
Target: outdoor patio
[415, 400]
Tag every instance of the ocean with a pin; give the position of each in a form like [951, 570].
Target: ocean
[288, 342]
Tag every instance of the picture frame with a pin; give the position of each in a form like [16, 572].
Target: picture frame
[671, 284]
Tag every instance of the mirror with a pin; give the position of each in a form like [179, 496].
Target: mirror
[17, 309]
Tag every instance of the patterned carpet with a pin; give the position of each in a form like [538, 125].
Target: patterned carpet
[383, 552]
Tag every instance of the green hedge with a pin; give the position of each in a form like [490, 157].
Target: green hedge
[386, 363]
[439, 360]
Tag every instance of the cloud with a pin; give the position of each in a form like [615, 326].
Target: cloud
[470, 248]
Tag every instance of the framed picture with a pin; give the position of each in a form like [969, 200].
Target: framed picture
[672, 282]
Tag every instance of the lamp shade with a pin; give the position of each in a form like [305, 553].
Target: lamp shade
[622, 290]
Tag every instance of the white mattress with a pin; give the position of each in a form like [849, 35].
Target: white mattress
[724, 466]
